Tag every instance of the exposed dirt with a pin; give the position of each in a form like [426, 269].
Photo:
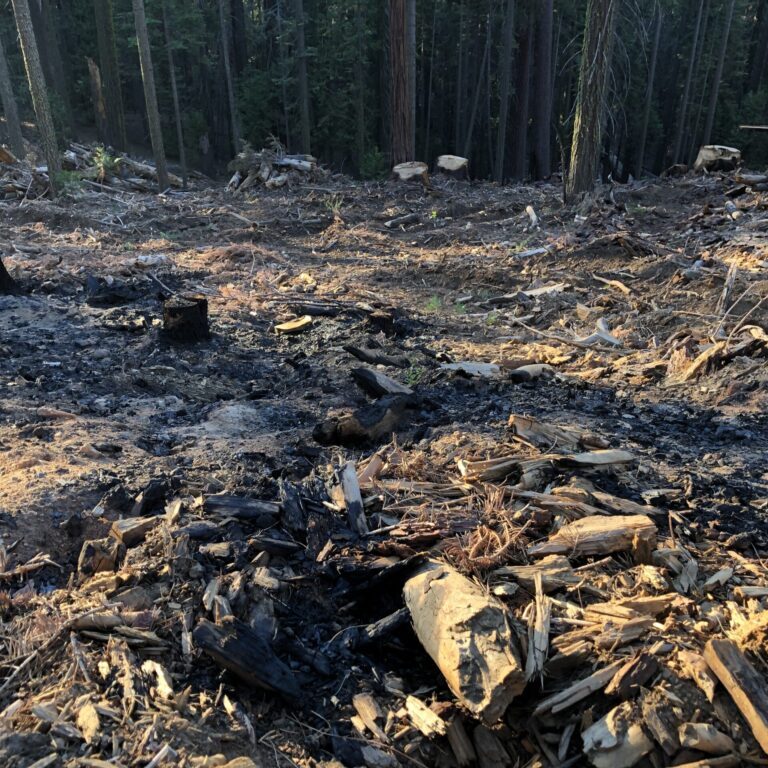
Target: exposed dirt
[237, 413]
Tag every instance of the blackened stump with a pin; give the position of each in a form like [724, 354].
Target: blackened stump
[7, 284]
[185, 318]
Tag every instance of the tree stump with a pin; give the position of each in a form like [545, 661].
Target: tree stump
[7, 284]
[185, 318]
[454, 166]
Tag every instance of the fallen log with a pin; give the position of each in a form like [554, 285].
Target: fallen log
[468, 635]
[236, 647]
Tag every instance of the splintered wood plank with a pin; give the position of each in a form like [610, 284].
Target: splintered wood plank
[596, 535]
[746, 687]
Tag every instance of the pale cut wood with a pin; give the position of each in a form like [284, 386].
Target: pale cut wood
[695, 668]
[353, 500]
[578, 691]
[297, 325]
[423, 718]
[468, 635]
[706, 738]
[555, 570]
[452, 163]
[617, 740]
[411, 170]
[711, 154]
[133, 530]
[370, 713]
[745, 685]
[538, 633]
[596, 535]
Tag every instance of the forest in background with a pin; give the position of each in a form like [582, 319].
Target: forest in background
[493, 80]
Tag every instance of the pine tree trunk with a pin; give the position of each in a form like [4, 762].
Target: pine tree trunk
[38, 90]
[522, 99]
[303, 79]
[110, 73]
[410, 27]
[10, 108]
[360, 82]
[458, 104]
[543, 91]
[175, 96]
[150, 94]
[505, 66]
[402, 114]
[60, 80]
[715, 87]
[687, 88]
[97, 98]
[590, 99]
[239, 36]
[760, 54]
[282, 60]
[639, 170]
[476, 95]
[234, 120]
[428, 120]
[7, 284]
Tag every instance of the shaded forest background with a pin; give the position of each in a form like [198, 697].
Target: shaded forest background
[316, 75]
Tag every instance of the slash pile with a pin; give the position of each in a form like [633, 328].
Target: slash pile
[566, 623]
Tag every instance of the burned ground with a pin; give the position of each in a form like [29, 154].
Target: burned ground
[98, 404]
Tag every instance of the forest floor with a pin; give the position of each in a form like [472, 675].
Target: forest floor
[97, 405]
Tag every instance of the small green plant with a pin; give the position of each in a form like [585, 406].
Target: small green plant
[435, 304]
[492, 318]
[415, 375]
[459, 308]
[68, 181]
[104, 163]
[373, 165]
[433, 215]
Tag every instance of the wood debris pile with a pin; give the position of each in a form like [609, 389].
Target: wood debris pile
[81, 165]
[567, 623]
[272, 168]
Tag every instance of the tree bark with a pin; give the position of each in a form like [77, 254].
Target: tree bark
[648, 95]
[38, 90]
[590, 99]
[477, 91]
[303, 79]
[10, 108]
[715, 87]
[505, 65]
[402, 115]
[97, 98]
[542, 105]
[150, 94]
[522, 100]
[46, 26]
[459, 100]
[410, 28]
[110, 73]
[175, 96]
[360, 81]
[234, 120]
[687, 88]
